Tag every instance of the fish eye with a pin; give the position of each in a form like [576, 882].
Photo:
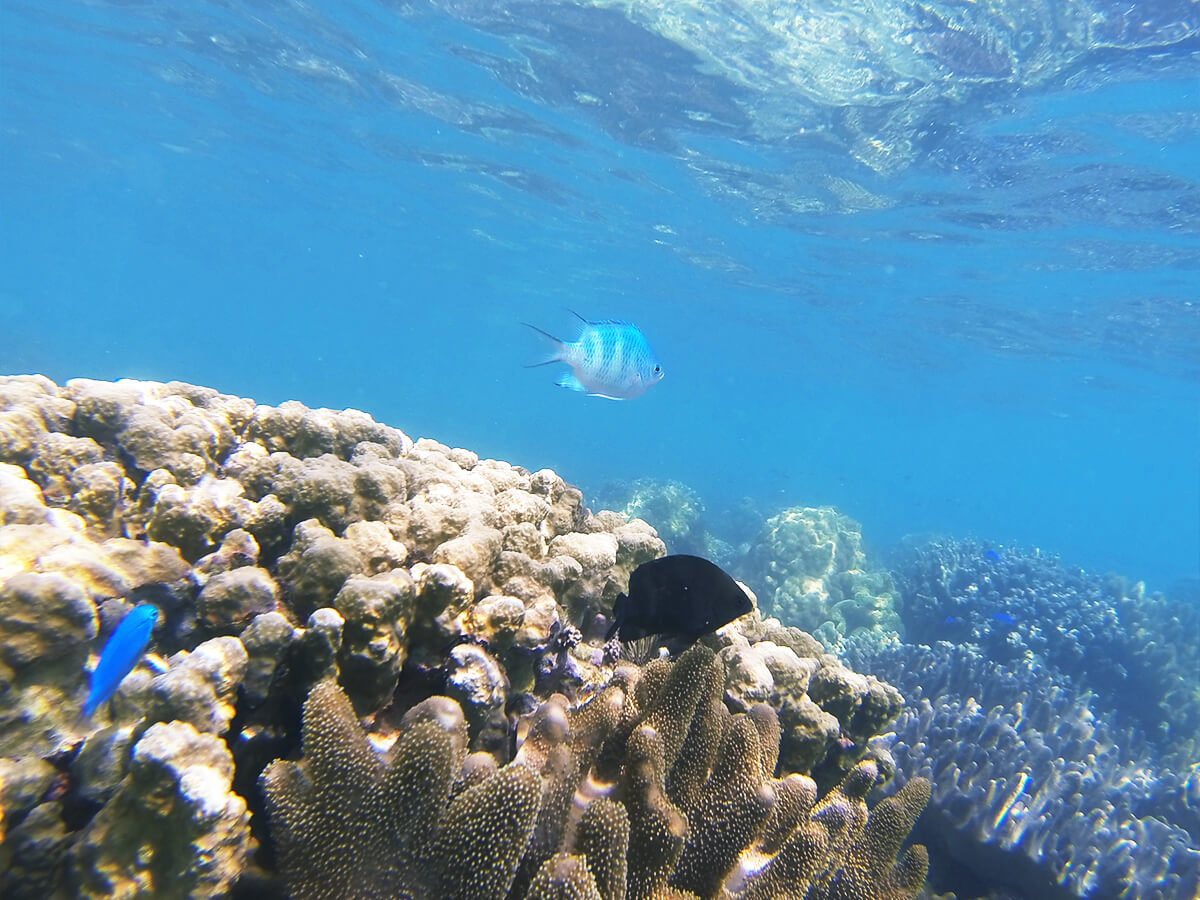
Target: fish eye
[657, 369]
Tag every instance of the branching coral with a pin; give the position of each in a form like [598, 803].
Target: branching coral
[347, 825]
[652, 790]
[1032, 789]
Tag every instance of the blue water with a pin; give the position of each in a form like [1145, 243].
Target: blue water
[937, 270]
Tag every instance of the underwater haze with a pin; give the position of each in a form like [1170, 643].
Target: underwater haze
[935, 264]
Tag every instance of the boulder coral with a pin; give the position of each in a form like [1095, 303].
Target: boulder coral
[174, 827]
[810, 570]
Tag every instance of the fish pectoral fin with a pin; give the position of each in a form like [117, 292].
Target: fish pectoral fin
[571, 383]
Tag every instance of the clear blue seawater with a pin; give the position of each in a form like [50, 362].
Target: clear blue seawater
[937, 265]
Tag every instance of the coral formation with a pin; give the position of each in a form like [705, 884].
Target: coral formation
[1030, 788]
[677, 512]
[173, 829]
[809, 569]
[652, 789]
[827, 712]
[348, 825]
[295, 552]
[1136, 651]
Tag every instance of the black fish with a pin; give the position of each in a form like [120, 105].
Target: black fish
[684, 596]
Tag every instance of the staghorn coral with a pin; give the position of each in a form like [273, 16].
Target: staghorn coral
[651, 790]
[1031, 788]
[1135, 650]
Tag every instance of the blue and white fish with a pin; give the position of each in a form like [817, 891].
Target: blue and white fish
[611, 359]
[121, 653]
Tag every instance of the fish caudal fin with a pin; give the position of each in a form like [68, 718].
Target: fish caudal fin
[556, 355]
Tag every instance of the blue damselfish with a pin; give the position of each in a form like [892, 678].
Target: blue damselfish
[121, 653]
[611, 359]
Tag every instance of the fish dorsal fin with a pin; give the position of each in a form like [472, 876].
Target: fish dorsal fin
[624, 323]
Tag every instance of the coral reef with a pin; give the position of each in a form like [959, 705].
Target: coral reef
[652, 789]
[677, 512]
[828, 713]
[1136, 651]
[433, 598]
[809, 569]
[173, 829]
[1031, 790]
[348, 825]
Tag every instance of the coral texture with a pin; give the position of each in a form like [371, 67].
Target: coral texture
[652, 789]
[810, 570]
[298, 553]
[1030, 788]
[174, 827]
[348, 825]
[1136, 651]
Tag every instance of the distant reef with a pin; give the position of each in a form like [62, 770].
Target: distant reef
[379, 670]
[1057, 714]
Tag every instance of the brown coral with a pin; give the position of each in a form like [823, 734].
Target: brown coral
[652, 790]
[349, 826]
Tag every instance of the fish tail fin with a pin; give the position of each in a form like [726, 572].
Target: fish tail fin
[558, 347]
[619, 606]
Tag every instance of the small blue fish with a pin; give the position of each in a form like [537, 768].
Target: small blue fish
[992, 555]
[1003, 618]
[121, 652]
[611, 359]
